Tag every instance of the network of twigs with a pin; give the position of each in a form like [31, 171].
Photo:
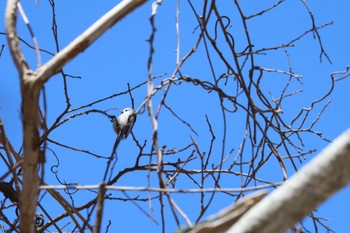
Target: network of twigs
[268, 134]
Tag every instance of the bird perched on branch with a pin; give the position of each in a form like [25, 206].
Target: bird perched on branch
[123, 125]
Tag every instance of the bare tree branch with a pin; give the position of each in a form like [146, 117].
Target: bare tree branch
[30, 113]
[303, 192]
[12, 37]
[221, 221]
[100, 203]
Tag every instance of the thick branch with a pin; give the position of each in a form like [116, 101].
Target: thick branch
[30, 110]
[12, 37]
[29, 194]
[298, 196]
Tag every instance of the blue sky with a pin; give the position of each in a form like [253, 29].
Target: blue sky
[120, 57]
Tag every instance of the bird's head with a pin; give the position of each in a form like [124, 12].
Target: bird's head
[128, 110]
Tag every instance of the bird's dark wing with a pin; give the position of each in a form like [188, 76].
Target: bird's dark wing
[116, 126]
[132, 119]
[130, 124]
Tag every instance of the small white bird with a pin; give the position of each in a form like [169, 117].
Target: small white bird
[124, 123]
[122, 126]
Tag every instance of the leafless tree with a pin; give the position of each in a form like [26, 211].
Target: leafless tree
[268, 133]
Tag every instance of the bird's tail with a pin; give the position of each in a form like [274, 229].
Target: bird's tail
[111, 158]
[115, 147]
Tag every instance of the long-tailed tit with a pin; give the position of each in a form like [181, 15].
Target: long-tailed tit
[124, 123]
[122, 126]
